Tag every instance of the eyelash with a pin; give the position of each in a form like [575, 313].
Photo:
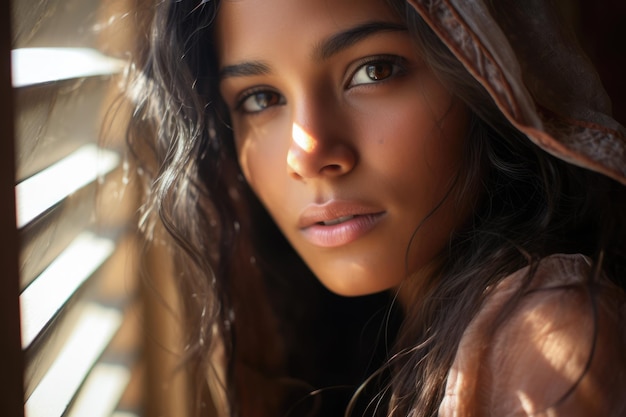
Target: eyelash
[398, 67]
[239, 104]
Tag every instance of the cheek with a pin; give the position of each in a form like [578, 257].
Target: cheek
[444, 145]
[262, 157]
[419, 139]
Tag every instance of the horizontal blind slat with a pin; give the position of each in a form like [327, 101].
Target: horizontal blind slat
[32, 66]
[40, 192]
[101, 392]
[42, 241]
[92, 334]
[45, 297]
[55, 119]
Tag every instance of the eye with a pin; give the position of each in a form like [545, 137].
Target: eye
[257, 101]
[376, 70]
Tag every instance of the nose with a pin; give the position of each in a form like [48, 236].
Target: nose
[319, 153]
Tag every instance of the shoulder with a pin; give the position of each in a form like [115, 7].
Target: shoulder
[559, 351]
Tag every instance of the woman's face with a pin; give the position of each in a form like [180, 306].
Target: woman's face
[344, 134]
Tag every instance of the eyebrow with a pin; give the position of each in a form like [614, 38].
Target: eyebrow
[244, 69]
[321, 52]
[347, 38]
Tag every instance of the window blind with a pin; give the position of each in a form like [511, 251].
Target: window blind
[79, 305]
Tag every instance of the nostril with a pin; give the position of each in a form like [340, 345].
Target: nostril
[325, 158]
[293, 174]
[332, 169]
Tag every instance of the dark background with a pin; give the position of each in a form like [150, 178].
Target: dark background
[601, 26]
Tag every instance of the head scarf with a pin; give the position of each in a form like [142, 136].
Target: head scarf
[537, 75]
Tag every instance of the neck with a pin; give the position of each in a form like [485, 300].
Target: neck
[413, 289]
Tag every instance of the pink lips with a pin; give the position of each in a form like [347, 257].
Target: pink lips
[338, 223]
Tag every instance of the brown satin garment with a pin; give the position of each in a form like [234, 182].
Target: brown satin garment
[527, 364]
[537, 74]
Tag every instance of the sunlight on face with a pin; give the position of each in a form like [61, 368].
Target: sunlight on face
[344, 134]
[305, 141]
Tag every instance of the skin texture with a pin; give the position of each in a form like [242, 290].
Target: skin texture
[320, 126]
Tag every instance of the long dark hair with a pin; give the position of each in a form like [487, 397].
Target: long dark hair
[239, 278]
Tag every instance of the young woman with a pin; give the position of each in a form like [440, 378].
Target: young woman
[447, 170]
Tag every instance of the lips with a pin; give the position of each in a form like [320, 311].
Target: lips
[338, 223]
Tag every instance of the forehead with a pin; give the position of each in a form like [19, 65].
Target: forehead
[249, 28]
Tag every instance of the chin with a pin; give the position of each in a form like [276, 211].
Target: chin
[355, 286]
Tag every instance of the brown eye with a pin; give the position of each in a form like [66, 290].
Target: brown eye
[379, 71]
[260, 101]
